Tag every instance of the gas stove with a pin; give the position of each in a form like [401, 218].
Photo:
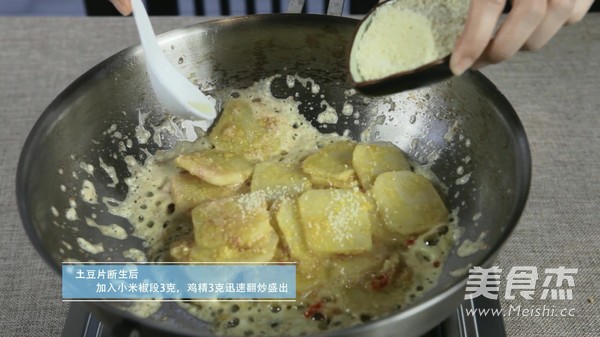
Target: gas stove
[79, 322]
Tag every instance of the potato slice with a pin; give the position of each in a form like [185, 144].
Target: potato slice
[379, 231]
[335, 221]
[289, 224]
[353, 270]
[310, 269]
[180, 250]
[188, 191]
[216, 167]
[279, 180]
[311, 274]
[331, 166]
[370, 160]
[236, 223]
[242, 130]
[262, 251]
[407, 202]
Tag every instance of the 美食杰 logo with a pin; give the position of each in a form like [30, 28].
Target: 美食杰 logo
[524, 282]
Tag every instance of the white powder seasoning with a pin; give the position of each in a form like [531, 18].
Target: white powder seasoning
[404, 35]
[376, 57]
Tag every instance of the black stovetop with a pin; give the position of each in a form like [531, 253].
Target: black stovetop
[81, 323]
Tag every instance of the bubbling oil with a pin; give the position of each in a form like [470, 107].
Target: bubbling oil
[151, 210]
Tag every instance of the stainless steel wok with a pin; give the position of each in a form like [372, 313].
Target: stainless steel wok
[462, 126]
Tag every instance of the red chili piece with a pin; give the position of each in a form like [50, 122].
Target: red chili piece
[410, 241]
[380, 281]
[313, 309]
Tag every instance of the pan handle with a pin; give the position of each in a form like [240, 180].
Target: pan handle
[335, 7]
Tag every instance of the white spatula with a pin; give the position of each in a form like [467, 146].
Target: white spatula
[175, 92]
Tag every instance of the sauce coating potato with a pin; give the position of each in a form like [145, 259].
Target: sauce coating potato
[279, 180]
[216, 167]
[408, 202]
[335, 221]
[189, 191]
[352, 216]
[371, 160]
[332, 166]
[242, 129]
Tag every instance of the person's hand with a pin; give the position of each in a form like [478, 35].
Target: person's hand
[529, 26]
[123, 6]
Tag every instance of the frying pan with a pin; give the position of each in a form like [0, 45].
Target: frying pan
[464, 129]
